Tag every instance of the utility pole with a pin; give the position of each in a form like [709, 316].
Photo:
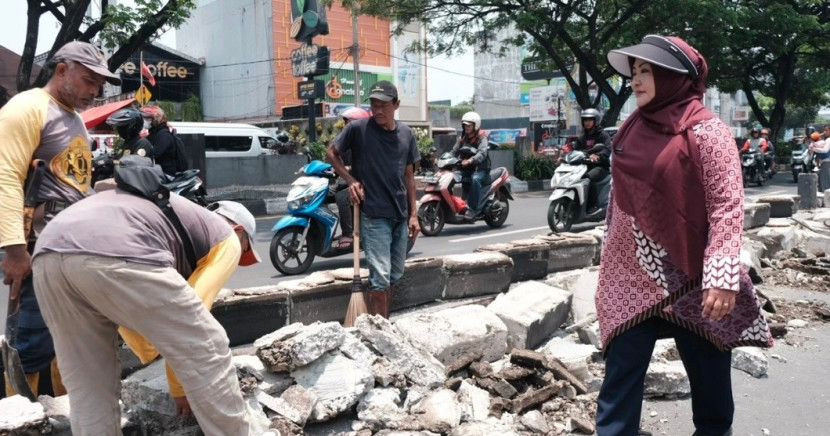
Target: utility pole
[356, 57]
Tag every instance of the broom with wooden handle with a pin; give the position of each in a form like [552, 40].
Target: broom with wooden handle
[357, 303]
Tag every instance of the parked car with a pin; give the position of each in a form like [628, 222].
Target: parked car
[229, 139]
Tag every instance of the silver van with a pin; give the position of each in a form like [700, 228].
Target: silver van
[228, 139]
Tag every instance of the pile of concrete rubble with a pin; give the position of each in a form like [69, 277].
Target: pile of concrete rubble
[524, 362]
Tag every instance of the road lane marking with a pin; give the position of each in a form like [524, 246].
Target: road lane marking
[493, 235]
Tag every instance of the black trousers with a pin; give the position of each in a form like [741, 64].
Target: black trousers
[595, 175]
[344, 209]
[621, 396]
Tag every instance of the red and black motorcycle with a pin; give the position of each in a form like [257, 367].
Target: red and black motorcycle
[440, 206]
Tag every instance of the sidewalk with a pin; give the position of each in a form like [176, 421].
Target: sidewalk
[270, 199]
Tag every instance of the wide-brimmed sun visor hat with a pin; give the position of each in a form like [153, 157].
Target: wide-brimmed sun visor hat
[656, 50]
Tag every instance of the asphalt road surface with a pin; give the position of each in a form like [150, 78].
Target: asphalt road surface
[527, 218]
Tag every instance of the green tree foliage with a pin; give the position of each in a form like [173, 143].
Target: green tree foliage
[775, 51]
[192, 109]
[120, 27]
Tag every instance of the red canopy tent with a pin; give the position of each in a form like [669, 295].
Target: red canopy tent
[96, 115]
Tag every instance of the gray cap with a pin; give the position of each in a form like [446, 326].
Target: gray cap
[89, 56]
[383, 91]
[656, 50]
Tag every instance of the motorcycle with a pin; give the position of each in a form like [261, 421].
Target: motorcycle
[752, 167]
[186, 183]
[797, 161]
[439, 206]
[308, 229]
[568, 201]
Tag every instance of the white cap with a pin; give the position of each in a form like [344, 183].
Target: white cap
[239, 214]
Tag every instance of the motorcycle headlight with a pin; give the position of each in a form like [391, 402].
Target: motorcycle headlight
[300, 201]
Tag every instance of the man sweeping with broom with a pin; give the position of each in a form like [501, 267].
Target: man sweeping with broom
[382, 182]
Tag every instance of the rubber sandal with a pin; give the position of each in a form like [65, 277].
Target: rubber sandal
[345, 242]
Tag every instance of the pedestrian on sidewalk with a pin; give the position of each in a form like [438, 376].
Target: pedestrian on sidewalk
[382, 181]
[671, 255]
[93, 275]
[43, 123]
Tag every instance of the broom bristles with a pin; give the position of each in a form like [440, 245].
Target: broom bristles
[357, 303]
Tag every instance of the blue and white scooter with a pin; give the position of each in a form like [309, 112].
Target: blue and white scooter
[308, 229]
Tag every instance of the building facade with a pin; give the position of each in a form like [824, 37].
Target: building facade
[247, 72]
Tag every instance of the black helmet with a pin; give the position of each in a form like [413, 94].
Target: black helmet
[127, 122]
[283, 137]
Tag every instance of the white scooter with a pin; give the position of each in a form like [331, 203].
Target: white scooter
[568, 202]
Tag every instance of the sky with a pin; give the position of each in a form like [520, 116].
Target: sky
[447, 79]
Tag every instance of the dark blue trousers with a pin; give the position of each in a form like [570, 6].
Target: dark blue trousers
[621, 396]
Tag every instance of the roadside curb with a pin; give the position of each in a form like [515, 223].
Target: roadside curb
[268, 201]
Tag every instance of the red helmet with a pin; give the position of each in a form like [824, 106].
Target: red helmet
[354, 113]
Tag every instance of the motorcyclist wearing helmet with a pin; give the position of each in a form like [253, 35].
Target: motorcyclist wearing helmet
[129, 123]
[159, 134]
[475, 167]
[341, 194]
[769, 157]
[596, 144]
[756, 142]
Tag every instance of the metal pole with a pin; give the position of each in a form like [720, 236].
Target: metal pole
[356, 58]
[312, 122]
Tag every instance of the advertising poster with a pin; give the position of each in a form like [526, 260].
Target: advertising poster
[548, 102]
[505, 136]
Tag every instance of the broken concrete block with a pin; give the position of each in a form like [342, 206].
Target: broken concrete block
[451, 333]
[279, 335]
[337, 381]
[417, 364]
[750, 360]
[475, 402]
[246, 318]
[388, 374]
[423, 283]
[489, 427]
[248, 365]
[530, 257]
[438, 411]
[570, 251]
[579, 425]
[531, 312]
[481, 369]
[665, 350]
[354, 349]
[535, 422]
[147, 394]
[667, 380]
[380, 408]
[57, 413]
[566, 279]
[755, 215]
[584, 290]
[533, 397]
[575, 357]
[281, 407]
[303, 348]
[19, 416]
[320, 296]
[300, 399]
[497, 386]
[781, 206]
[470, 275]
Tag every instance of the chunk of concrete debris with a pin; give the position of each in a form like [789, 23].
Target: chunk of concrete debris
[381, 408]
[575, 357]
[535, 422]
[475, 402]
[302, 348]
[355, 349]
[281, 407]
[337, 381]
[387, 373]
[667, 380]
[489, 427]
[451, 333]
[481, 369]
[438, 412]
[531, 312]
[533, 359]
[497, 387]
[581, 425]
[418, 365]
[19, 416]
[57, 413]
[750, 360]
[279, 335]
[534, 396]
[300, 399]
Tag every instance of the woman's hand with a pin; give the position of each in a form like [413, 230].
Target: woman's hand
[717, 303]
[182, 406]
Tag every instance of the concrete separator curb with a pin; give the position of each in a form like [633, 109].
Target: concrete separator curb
[270, 200]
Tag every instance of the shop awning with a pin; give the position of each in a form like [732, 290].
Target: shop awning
[96, 115]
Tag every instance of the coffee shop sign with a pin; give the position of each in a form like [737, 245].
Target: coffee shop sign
[160, 69]
[310, 60]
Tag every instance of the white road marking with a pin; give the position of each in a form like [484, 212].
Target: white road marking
[492, 235]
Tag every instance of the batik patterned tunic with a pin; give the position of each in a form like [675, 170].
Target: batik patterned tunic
[637, 279]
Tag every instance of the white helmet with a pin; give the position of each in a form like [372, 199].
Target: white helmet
[472, 117]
